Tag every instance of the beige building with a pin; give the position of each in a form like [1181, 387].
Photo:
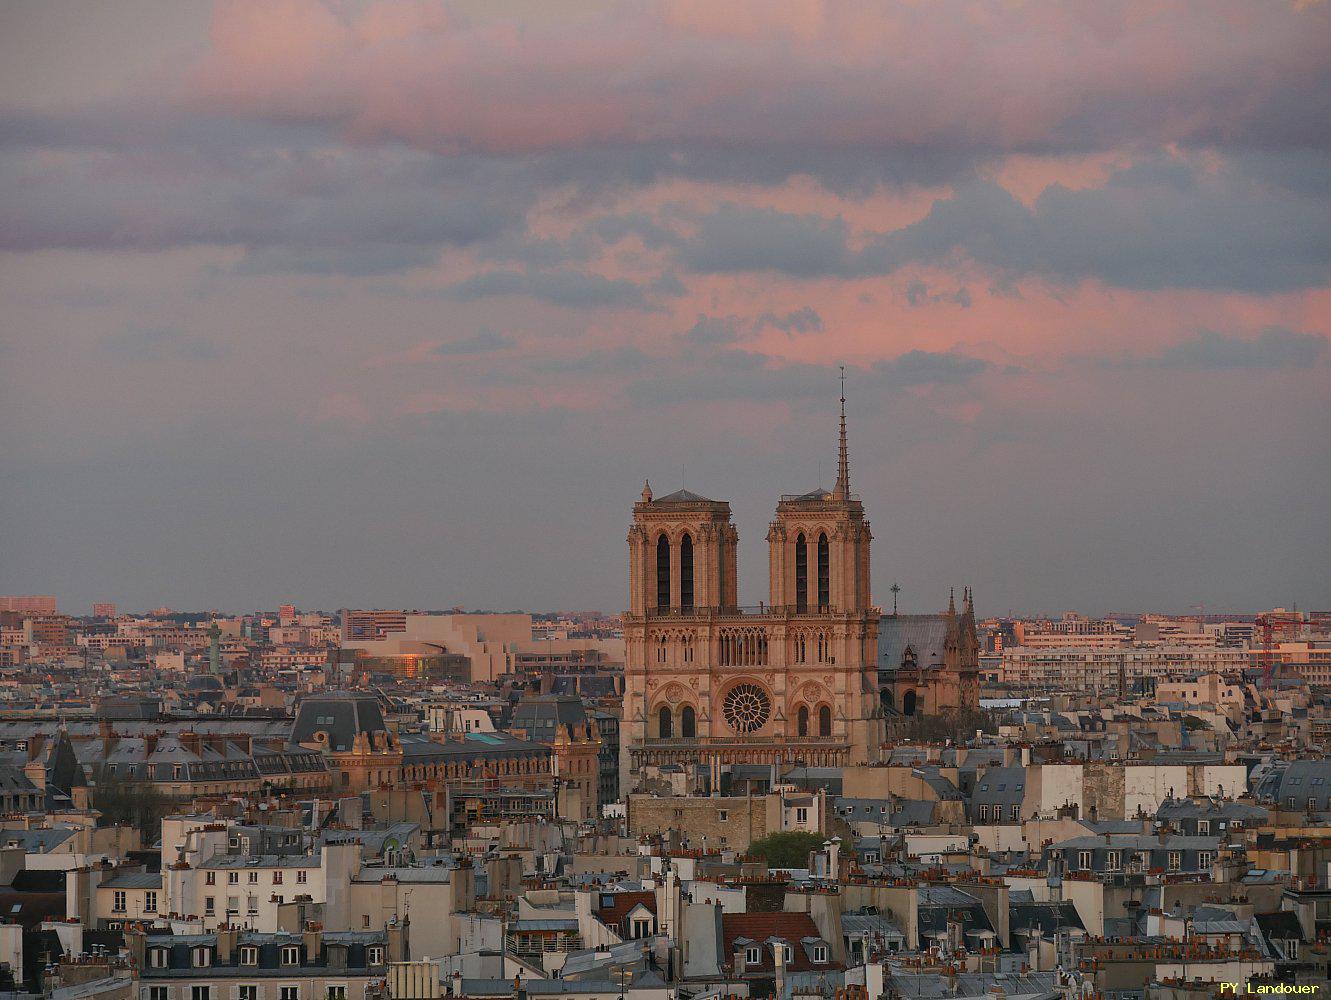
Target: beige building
[709, 681]
[495, 644]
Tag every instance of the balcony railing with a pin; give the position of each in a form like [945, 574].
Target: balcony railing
[742, 610]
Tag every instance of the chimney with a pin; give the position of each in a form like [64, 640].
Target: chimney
[35, 771]
[737, 961]
[150, 744]
[780, 950]
[398, 947]
[312, 938]
[227, 937]
[136, 943]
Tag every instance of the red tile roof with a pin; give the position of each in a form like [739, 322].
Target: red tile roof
[623, 904]
[758, 927]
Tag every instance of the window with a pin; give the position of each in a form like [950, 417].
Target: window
[210, 878]
[156, 993]
[277, 878]
[158, 958]
[824, 573]
[1016, 813]
[365, 921]
[209, 906]
[1084, 859]
[801, 573]
[825, 721]
[302, 876]
[254, 878]
[233, 878]
[802, 718]
[251, 904]
[290, 993]
[150, 901]
[984, 814]
[662, 573]
[1203, 827]
[1204, 859]
[686, 573]
[232, 905]
[249, 992]
[200, 993]
[1175, 860]
[641, 928]
[722, 816]
[819, 954]
[1113, 861]
[801, 815]
[203, 957]
[1291, 948]
[688, 725]
[291, 954]
[249, 955]
[754, 956]
[118, 901]
[665, 725]
[337, 992]
[1312, 804]
[374, 954]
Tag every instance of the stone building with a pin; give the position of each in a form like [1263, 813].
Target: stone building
[707, 681]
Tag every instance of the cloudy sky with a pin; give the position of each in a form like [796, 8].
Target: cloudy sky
[398, 304]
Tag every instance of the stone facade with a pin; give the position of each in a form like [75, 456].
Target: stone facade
[709, 682]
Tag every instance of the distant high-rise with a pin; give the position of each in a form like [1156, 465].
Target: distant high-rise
[29, 604]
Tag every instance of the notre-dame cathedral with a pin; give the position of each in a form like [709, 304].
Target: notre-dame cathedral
[796, 679]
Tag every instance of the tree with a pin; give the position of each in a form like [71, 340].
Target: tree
[130, 803]
[789, 849]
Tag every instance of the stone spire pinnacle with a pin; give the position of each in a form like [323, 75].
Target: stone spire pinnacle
[842, 490]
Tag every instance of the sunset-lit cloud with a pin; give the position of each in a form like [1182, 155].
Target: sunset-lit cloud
[443, 264]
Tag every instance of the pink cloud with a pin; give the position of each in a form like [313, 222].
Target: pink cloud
[956, 75]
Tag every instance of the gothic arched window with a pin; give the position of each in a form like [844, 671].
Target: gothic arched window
[803, 723]
[801, 573]
[688, 725]
[825, 721]
[665, 728]
[662, 573]
[824, 572]
[686, 573]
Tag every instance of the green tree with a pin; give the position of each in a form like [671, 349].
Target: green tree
[789, 849]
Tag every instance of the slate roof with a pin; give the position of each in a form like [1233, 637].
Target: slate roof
[922, 633]
[621, 904]
[682, 496]
[342, 715]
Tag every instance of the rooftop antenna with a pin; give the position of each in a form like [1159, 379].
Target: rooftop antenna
[896, 589]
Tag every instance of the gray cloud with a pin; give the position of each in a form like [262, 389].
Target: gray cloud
[1160, 224]
[802, 320]
[569, 288]
[930, 368]
[1274, 347]
[918, 294]
[144, 344]
[735, 238]
[481, 342]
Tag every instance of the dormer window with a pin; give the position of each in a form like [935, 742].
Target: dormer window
[753, 956]
[158, 958]
[819, 954]
[202, 957]
[291, 954]
[374, 955]
[249, 955]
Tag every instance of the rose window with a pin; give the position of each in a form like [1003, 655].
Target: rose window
[746, 708]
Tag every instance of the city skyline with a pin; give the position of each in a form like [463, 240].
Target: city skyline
[365, 305]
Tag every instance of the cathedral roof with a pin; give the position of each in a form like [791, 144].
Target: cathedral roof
[682, 496]
[925, 634]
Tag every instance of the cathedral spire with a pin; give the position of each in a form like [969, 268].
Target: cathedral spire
[842, 490]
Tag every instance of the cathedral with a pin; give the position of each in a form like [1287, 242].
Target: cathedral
[797, 679]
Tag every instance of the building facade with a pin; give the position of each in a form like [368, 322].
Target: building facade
[709, 682]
